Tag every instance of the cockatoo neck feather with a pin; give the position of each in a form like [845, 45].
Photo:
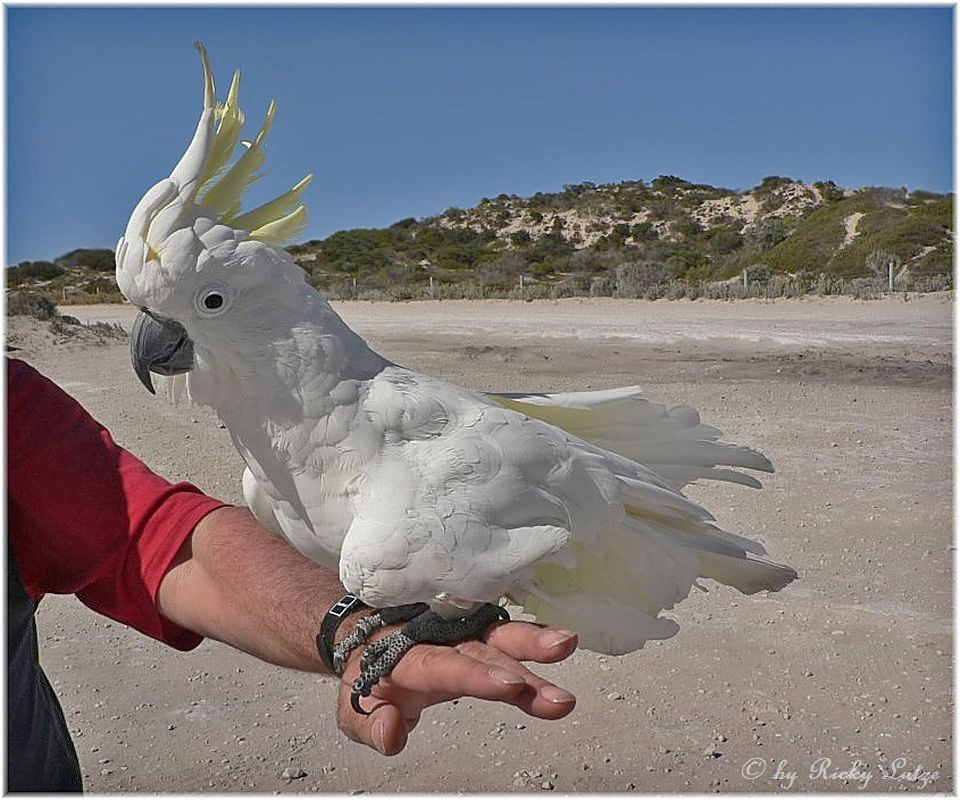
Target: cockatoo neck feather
[293, 339]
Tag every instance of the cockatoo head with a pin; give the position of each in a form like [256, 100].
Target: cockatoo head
[194, 263]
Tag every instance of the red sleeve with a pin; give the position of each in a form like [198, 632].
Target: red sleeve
[85, 516]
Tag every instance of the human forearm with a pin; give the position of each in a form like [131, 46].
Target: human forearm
[236, 582]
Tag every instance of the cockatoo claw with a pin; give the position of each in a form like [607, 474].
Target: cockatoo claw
[380, 657]
[392, 615]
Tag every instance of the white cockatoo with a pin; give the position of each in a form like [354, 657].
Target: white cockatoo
[417, 490]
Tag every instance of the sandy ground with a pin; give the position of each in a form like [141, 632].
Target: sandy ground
[848, 669]
[850, 228]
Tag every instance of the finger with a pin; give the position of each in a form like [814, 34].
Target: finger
[444, 672]
[539, 698]
[384, 729]
[527, 642]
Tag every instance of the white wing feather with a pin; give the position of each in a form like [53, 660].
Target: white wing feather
[672, 441]
[469, 501]
[259, 502]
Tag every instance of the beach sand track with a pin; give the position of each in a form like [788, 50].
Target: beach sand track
[851, 662]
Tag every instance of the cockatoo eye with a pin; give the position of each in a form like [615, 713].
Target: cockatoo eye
[212, 301]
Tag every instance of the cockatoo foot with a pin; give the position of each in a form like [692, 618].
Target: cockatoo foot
[367, 625]
[380, 658]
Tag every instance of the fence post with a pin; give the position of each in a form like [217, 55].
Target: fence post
[890, 275]
[431, 287]
[745, 287]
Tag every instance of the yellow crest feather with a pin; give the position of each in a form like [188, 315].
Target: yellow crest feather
[227, 135]
[282, 230]
[224, 196]
[221, 187]
[273, 210]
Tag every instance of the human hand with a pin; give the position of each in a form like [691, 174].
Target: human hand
[429, 674]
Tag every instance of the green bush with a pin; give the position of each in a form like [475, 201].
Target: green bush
[689, 228]
[772, 182]
[31, 304]
[550, 248]
[937, 261]
[669, 184]
[878, 264]
[675, 290]
[96, 259]
[654, 292]
[723, 241]
[758, 273]
[830, 191]
[602, 286]
[766, 234]
[633, 279]
[644, 231]
[35, 271]
[829, 284]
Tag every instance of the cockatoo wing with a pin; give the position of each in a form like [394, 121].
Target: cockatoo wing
[670, 440]
[454, 506]
[472, 501]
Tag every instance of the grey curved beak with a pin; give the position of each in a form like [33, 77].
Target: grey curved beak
[161, 346]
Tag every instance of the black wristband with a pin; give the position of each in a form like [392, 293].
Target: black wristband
[331, 621]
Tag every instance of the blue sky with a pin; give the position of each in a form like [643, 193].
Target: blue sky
[407, 111]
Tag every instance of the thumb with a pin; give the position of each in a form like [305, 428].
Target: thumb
[383, 729]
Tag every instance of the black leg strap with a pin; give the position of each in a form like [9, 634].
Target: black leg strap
[335, 655]
[328, 627]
